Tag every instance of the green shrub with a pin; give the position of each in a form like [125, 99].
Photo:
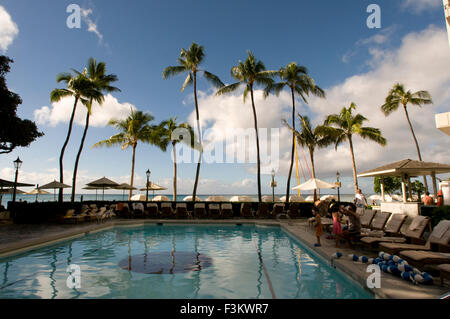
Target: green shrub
[440, 213]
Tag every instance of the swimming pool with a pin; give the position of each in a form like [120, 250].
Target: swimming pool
[177, 262]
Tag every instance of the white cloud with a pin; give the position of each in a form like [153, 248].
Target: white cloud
[61, 111]
[420, 62]
[8, 29]
[92, 26]
[419, 6]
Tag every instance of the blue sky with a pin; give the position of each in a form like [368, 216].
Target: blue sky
[140, 38]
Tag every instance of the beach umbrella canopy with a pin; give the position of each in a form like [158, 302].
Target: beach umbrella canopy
[314, 183]
[375, 197]
[310, 198]
[293, 199]
[241, 199]
[5, 183]
[153, 187]
[269, 199]
[103, 183]
[138, 197]
[161, 199]
[125, 187]
[189, 199]
[217, 199]
[54, 185]
[37, 191]
[327, 197]
[11, 191]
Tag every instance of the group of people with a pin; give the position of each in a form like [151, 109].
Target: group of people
[428, 200]
[337, 211]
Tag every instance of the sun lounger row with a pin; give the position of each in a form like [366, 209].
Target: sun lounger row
[202, 210]
[88, 214]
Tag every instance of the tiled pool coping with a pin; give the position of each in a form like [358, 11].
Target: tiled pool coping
[391, 287]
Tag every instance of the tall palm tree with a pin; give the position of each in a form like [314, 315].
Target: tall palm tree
[101, 82]
[341, 127]
[312, 138]
[189, 62]
[296, 78]
[134, 129]
[398, 96]
[249, 73]
[170, 129]
[78, 87]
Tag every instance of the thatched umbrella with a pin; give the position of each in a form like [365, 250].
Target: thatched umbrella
[103, 183]
[54, 185]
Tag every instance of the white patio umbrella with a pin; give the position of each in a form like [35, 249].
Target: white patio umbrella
[241, 199]
[327, 197]
[293, 199]
[314, 183]
[217, 199]
[375, 197]
[161, 198]
[269, 199]
[138, 197]
[189, 199]
[310, 198]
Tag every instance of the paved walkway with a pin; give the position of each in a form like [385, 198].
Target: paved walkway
[15, 238]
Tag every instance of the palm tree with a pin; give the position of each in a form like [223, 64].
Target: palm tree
[345, 126]
[101, 82]
[134, 129]
[78, 87]
[397, 96]
[312, 138]
[189, 62]
[296, 78]
[249, 73]
[171, 133]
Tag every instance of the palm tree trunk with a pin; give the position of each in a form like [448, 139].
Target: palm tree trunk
[197, 174]
[313, 167]
[132, 170]
[174, 172]
[257, 145]
[75, 169]
[61, 157]
[288, 185]
[417, 144]
[353, 162]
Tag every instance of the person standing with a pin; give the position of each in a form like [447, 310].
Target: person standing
[427, 200]
[360, 202]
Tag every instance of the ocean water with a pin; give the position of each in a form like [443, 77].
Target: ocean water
[120, 197]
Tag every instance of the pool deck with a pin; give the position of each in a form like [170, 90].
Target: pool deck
[20, 238]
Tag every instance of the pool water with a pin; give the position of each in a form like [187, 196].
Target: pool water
[177, 262]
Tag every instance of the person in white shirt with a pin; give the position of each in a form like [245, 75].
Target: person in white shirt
[360, 202]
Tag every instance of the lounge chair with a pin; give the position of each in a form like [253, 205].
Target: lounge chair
[71, 217]
[166, 210]
[421, 258]
[263, 211]
[152, 210]
[199, 210]
[366, 218]
[444, 271]
[278, 209]
[246, 210]
[227, 210]
[439, 236]
[138, 209]
[214, 210]
[391, 229]
[294, 210]
[101, 214]
[181, 211]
